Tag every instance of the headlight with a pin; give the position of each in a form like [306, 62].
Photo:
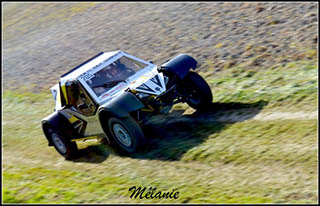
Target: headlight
[143, 95]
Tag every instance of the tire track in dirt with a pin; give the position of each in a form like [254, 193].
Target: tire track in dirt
[233, 116]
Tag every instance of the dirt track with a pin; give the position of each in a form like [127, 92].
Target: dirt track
[233, 116]
[43, 40]
[247, 148]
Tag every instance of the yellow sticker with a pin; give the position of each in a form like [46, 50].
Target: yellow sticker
[72, 119]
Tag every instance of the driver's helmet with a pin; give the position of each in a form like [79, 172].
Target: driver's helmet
[114, 70]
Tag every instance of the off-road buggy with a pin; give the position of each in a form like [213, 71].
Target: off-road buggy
[110, 96]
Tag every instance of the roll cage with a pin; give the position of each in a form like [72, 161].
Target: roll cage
[79, 76]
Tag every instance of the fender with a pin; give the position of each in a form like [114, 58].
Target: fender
[56, 121]
[180, 65]
[121, 105]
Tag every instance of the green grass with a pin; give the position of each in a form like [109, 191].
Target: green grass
[260, 142]
[253, 161]
[293, 87]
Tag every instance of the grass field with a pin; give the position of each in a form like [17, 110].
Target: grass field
[247, 160]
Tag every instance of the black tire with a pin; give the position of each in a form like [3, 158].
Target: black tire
[126, 135]
[64, 146]
[197, 92]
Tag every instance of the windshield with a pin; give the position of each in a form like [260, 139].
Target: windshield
[111, 75]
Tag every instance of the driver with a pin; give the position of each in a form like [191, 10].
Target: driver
[107, 74]
[119, 71]
[115, 72]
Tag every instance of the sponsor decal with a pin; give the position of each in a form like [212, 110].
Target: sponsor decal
[86, 76]
[156, 80]
[154, 85]
[113, 90]
[145, 87]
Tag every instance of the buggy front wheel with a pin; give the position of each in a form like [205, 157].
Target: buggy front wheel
[127, 136]
[197, 92]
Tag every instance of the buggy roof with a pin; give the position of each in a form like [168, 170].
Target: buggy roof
[85, 66]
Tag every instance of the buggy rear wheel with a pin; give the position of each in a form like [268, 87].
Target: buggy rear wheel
[64, 146]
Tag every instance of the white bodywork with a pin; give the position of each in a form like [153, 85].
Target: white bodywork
[143, 81]
[148, 80]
